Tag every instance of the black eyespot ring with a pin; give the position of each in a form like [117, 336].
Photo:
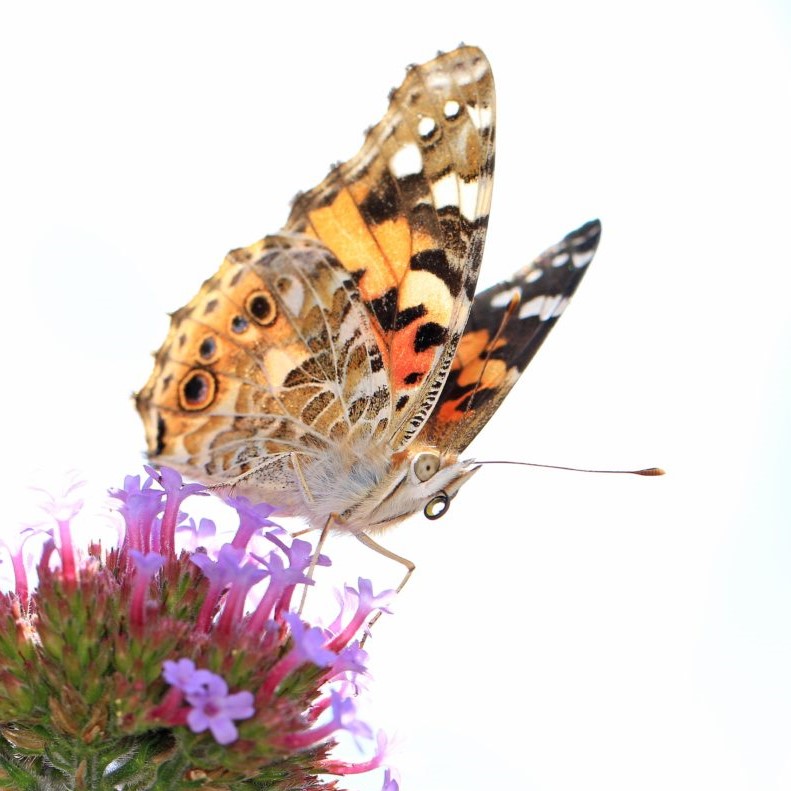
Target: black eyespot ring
[437, 506]
[262, 308]
[197, 390]
[239, 324]
[208, 348]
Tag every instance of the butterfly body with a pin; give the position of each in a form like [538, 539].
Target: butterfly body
[339, 368]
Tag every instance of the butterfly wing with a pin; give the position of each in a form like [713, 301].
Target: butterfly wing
[508, 323]
[407, 218]
[342, 328]
[275, 355]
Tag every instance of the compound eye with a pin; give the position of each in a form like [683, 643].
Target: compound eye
[437, 506]
[425, 466]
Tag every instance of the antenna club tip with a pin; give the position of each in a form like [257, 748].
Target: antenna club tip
[650, 472]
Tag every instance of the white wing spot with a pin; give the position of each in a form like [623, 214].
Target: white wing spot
[481, 117]
[469, 195]
[437, 80]
[473, 73]
[561, 259]
[531, 308]
[407, 161]
[503, 299]
[446, 191]
[550, 307]
[581, 259]
[544, 307]
[561, 306]
[533, 275]
[484, 196]
[292, 293]
[451, 109]
[426, 127]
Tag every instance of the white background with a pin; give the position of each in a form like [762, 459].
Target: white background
[562, 631]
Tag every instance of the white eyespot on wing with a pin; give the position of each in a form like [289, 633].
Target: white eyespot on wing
[451, 109]
[407, 161]
[426, 127]
[503, 299]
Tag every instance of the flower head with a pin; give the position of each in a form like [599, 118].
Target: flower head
[147, 665]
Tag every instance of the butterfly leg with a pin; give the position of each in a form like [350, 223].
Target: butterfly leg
[314, 560]
[408, 564]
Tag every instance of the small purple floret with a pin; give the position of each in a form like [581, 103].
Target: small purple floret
[214, 709]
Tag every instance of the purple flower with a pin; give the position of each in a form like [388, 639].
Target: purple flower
[351, 659]
[309, 642]
[63, 509]
[344, 717]
[222, 571]
[147, 566]
[192, 536]
[183, 675]
[214, 709]
[252, 518]
[176, 491]
[282, 581]
[308, 645]
[367, 602]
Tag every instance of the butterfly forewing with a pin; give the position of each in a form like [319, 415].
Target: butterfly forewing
[407, 218]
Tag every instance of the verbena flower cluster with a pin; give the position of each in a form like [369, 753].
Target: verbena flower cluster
[144, 667]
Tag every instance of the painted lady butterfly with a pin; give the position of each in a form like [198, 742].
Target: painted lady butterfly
[338, 368]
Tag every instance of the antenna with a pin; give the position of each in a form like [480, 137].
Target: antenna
[648, 472]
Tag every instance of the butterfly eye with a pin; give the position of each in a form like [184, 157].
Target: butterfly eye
[261, 307]
[197, 390]
[437, 506]
[425, 466]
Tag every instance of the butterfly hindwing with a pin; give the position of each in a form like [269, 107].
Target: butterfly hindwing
[407, 218]
[508, 323]
[274, 356]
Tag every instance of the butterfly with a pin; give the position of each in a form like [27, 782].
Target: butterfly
[339, 368]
